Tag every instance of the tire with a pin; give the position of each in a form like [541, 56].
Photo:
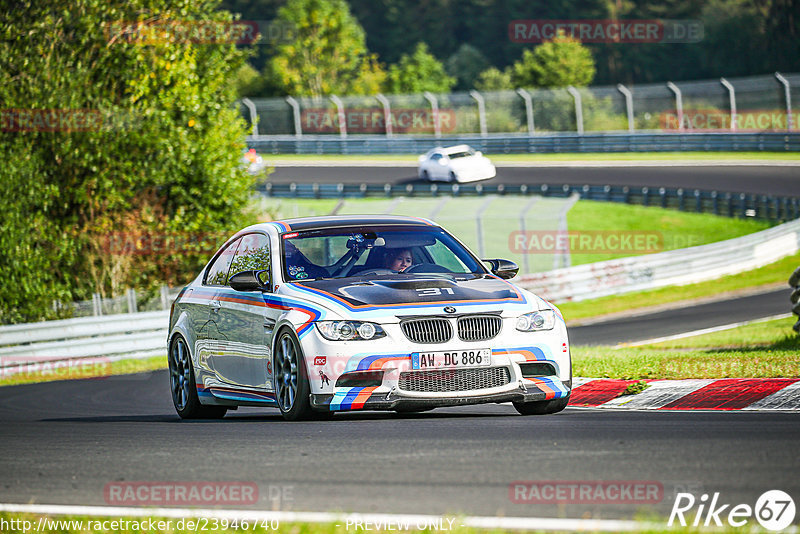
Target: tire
[290, 378]
[453, 177]
[425, 176]
[542, 407]
[182, 385]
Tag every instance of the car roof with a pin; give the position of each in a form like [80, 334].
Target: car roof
[334, 221]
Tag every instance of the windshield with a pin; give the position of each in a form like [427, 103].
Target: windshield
[461, 154]
[374, 251]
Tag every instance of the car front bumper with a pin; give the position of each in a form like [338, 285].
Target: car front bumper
[394, 400]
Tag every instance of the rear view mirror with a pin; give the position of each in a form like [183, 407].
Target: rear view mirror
[250, 281]
[504, 269]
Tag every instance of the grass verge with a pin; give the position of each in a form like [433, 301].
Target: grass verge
[67, 370]
[759, 350]
[769, 275]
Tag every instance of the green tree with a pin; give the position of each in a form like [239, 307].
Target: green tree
[494, 79]
[419, 72]
[123, 131]
[465, 66]
[558, 63]
[329, 53]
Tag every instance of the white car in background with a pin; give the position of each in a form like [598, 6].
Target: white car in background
[458, 163]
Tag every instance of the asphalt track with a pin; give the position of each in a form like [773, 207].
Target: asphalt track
[64, 442]
[764, 179]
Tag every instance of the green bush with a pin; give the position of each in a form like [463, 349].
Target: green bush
[161, 156]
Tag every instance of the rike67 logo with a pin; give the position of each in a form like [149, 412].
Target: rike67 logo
[774, 510]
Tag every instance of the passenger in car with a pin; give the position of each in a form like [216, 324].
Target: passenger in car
[398, 259]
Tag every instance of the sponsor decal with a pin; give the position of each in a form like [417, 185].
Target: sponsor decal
[320, 360]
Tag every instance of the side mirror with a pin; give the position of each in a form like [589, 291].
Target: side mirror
[505, 269]
[250, 281]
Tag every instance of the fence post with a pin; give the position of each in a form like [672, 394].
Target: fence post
[298, 127]
[131, 294]
[732, 97]
[97, 304]
[526, 96]
[164, 297]
[387, 113]
[578, 108]
[481, 110]
[340, 112]
[522, 215]
[564, 229]
[678, 103]
[479, 225]
[787, 94]
[437, 127]
[628, 104]
[253, 115]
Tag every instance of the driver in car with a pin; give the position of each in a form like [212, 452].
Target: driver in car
[398, 259]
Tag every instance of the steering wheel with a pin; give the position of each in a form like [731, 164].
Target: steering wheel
[426, 268]
[375, 271]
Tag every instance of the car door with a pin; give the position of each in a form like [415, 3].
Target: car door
[209, 340]
[435, 166]
[245, 324]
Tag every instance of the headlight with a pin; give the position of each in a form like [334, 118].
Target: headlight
[538, 320]
[349, 330]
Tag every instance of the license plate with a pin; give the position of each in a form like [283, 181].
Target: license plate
[456, 359]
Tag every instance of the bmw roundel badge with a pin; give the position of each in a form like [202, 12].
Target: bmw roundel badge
[449, 309]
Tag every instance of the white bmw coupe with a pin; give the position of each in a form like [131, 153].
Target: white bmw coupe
[455, 164]
[319, 315]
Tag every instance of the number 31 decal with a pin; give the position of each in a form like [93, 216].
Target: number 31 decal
[434, 291]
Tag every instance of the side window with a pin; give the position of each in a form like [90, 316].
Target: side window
[218, 272]
[252, 255]
[436, 157]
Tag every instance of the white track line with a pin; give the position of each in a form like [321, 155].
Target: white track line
[508, 523]
[703, 331]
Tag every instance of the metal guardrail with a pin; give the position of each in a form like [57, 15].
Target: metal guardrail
[775, 208]
[683, 266]
[135, 335]
[525, 144]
